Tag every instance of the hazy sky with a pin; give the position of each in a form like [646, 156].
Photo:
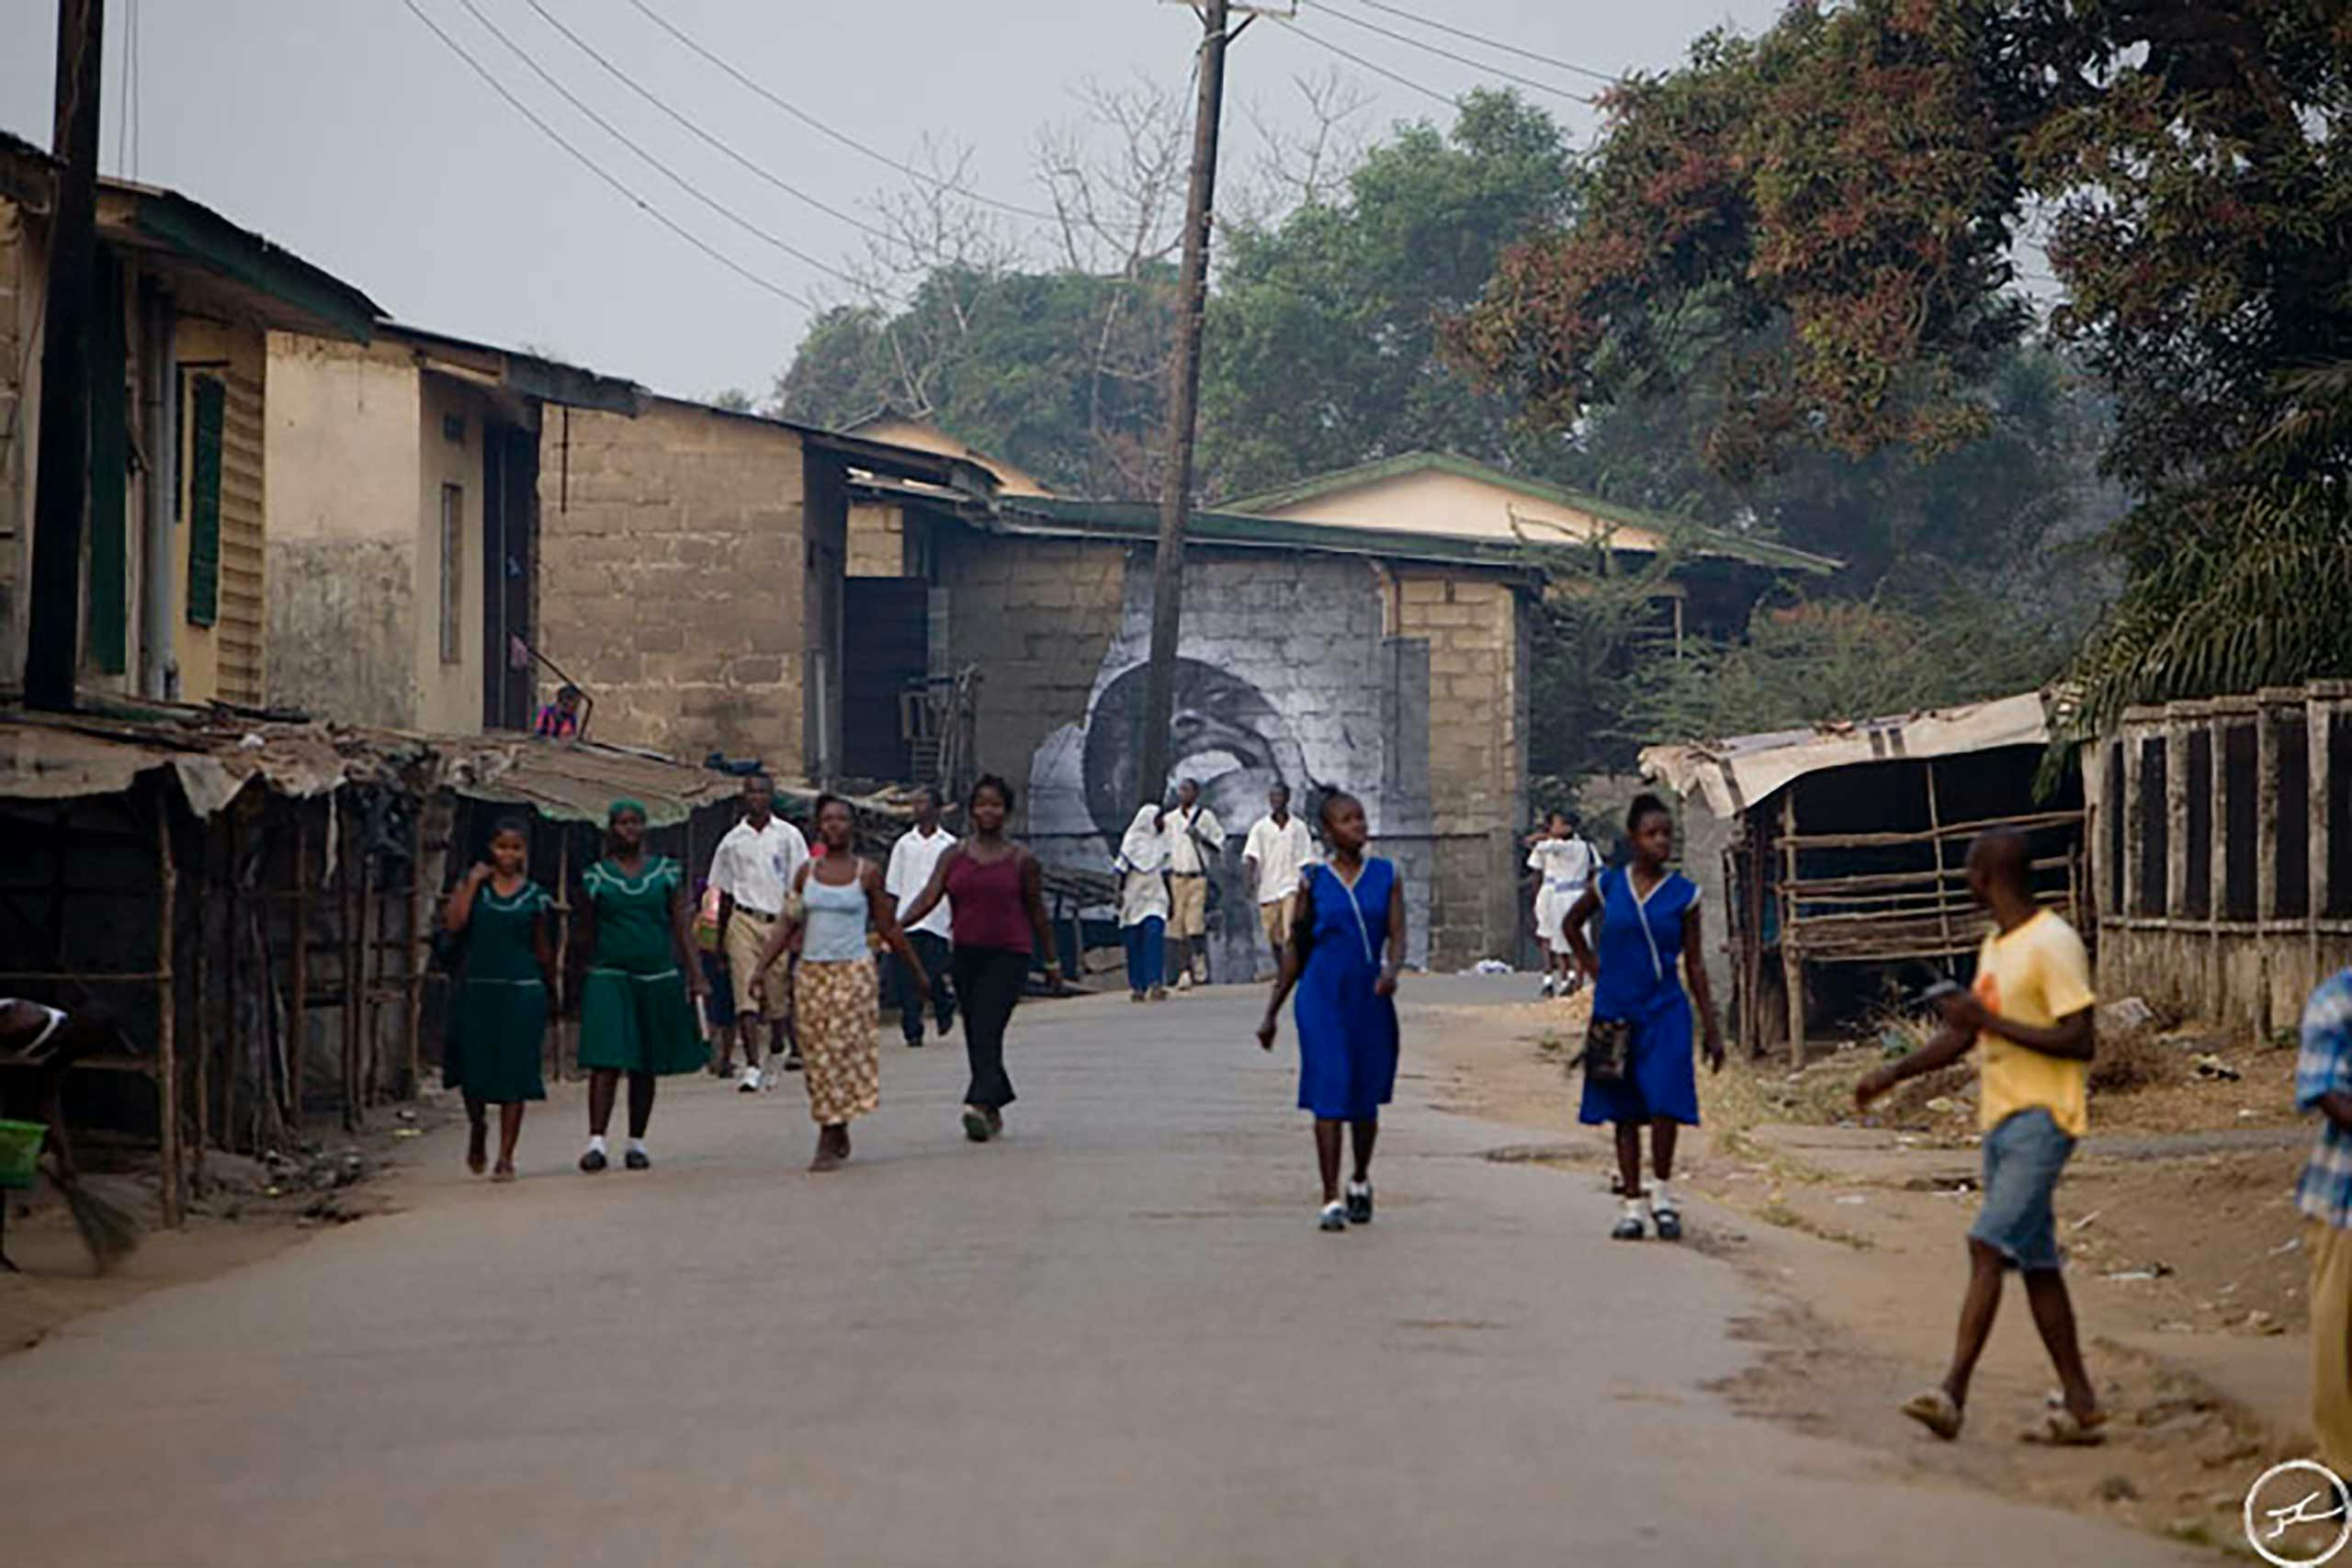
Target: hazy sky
[343, 129]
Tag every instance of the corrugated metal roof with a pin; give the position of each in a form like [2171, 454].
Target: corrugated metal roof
[1734, 774]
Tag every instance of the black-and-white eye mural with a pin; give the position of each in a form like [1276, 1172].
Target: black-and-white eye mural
[1284, 677]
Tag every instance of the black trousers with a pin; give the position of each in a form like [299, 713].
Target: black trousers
[937, 960]
[989, 980]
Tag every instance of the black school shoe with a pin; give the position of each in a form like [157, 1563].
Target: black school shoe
[1359, 1202]
[594, 1161]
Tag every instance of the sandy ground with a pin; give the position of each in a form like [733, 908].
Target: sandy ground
[2185, 1263]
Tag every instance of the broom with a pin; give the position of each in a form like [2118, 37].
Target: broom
[107, 1229]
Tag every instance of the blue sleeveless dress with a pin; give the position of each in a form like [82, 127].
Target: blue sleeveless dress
[1641, 981]
[1347, 1035]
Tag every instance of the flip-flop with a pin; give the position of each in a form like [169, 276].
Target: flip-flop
[2064, 1429]
[1934, 1409]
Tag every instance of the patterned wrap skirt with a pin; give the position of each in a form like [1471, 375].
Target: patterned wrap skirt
[839, 1009]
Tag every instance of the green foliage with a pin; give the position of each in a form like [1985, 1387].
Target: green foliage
[1320, 345]
[1058, 372]
[1802, 241]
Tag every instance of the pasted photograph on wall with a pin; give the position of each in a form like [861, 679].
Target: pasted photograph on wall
[1283, 679]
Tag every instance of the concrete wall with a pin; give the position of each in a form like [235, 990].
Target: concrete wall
[346, 536]
[1293, 670]
[2178, 939]
[1478, 657]
[673, 577]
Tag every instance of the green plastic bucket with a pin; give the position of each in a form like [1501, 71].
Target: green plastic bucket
[20, 1147]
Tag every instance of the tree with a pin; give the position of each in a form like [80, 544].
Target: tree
[1320, 347]
[1816, 230]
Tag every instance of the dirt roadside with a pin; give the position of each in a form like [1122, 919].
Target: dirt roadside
[244, 1212]
[2184, 1260]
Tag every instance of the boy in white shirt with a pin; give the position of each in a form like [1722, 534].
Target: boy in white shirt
[1278, 851]
[912, 860]
[753, 868]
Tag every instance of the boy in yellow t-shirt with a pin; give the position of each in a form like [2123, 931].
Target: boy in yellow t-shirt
[2030, 1009]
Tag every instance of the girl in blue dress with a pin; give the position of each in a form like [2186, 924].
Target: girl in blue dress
[1649, 938]
[1347, 943]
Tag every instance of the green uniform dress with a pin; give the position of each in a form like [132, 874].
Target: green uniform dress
[634, 1011]
[500, 1017]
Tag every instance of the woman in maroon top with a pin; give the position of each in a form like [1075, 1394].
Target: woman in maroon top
[998, 911]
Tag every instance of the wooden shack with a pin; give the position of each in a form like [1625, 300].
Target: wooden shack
[1832, 857]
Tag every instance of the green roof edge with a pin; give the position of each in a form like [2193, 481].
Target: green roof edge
[1762, 552]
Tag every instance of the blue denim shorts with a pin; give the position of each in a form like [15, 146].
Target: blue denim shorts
[2023, 1157]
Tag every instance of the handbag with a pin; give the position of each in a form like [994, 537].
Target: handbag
[1608, 1046]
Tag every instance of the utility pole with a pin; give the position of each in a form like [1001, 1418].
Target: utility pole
[62, 492]
[1183, 403]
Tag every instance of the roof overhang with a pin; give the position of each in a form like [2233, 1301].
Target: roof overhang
[1737, 774]
[526, 375]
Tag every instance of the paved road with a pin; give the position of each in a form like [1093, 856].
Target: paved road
[1114, 1338]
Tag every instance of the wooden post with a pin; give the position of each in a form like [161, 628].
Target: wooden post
[1936, 838]
[167, 1061]
[417, 951]
[348, 937]
[1792, 957]
[298, 1011]
[371, 973]
[202, 1089]
[1183, 405]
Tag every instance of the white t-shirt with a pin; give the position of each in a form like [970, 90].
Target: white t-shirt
[912, 860]
[1566, 864]
[1282, 853]
[755, 866]
[1187, 831]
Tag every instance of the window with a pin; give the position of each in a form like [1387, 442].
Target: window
[2292, 866]
[204, 500]
[2241, 822]
[453, 557]
[2197, 895]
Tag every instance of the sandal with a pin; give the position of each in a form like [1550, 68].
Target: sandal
[1935, 1410]
[2064, 1429]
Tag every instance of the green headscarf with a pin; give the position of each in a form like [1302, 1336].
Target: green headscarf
[612, 811]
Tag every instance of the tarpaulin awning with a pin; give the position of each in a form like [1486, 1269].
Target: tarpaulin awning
[1734, 774]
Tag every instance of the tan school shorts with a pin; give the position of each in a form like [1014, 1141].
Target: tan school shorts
[1277, 917]
[1188, 906]
[747, 936]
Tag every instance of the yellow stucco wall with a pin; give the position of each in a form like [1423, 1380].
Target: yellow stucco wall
[1435, 501]
[449, 691]
[343, 529]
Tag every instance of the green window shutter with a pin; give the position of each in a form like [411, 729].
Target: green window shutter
[109, 583]
[204, 502]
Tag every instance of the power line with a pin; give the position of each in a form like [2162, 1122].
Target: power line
[1444, 54]
[1360, 62]
[692, 189]
[1431, 22]
[843, 137]
[490, 79]
[633, 85]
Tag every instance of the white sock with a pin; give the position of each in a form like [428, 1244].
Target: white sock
[596, 1142]
[1359, 1183]
[1661, 1197]
[1637, 1209]
[637, 1145]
